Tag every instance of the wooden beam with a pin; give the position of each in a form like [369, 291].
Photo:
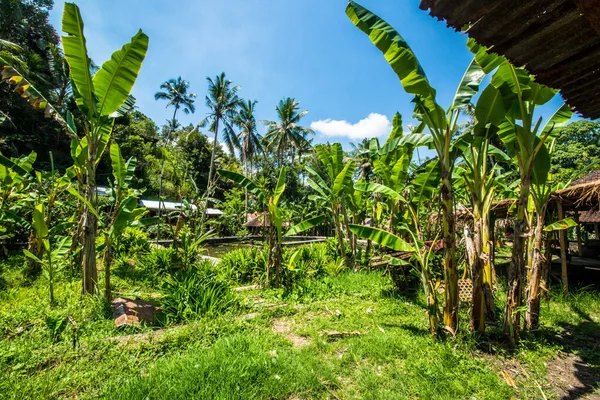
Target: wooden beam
[562, 234]
[578, 234]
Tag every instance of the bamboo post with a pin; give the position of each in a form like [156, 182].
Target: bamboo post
[562, 234]
[597, 231]
[578, 234]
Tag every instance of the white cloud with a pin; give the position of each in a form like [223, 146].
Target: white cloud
[375, 125]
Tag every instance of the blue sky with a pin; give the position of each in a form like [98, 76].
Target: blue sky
[307, 49]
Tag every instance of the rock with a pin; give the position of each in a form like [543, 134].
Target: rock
[132, 312]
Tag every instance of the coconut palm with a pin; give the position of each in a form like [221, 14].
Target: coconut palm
[222, 102]
[249, 139]
[176, 91]
[286, 134]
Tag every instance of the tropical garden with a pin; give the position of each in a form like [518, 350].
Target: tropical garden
[366, 304]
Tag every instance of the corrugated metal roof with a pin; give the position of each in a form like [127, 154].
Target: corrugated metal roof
[557, 40]
[172, 206]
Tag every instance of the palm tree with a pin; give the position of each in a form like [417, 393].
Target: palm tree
[248, 138]
[223, 102]
[176, 93]
[286, 134]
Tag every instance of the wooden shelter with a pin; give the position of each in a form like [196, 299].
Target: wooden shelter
[557, 40]
[581, 201]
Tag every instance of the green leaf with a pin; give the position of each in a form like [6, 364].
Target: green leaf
[557, 121]
[337, 158]
[140, 223]
[280, 188]
[379, 188]
[79, 197]
[426, 183]
[541, 165]
[316, 187]
[76, 55]
[343, 180]
[118, 165]
[382, 237]
[32, 256]
[13, 166]
[561, 225]
[400, 57]
[305, 225]
[244, 182]
[489, 110]
[487, 61]
[114, 81]
[39, 221]
[125, 214]
[469, 85]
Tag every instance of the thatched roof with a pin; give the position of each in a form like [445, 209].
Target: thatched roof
[260, 220]
[257, 220]
[589, 217]
[583, 195]
[557, 40]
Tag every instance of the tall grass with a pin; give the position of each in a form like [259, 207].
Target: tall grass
[194, 292]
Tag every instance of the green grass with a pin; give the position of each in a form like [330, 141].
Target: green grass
[228, 357]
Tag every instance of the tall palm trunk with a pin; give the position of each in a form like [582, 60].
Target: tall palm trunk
[212, 160]
[532, 316]
[512, 325]
[450, 271]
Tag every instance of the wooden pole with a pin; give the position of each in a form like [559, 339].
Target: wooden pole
[562, 234]
[597, 231]
[578, 234]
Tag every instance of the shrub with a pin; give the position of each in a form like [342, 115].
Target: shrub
[193, 292]
[132, 241]
[244, 265]
[158, 261]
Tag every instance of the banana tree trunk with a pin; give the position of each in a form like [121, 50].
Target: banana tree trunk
[339, 233]
[512, 325]
[474, 247]
[488, 266]
[432, 304]
[350, 237]
[107, 265]
[275, 259]
[90, 272]
[450, 271]
[532, 317]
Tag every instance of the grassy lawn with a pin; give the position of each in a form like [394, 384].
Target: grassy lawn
[341, 337]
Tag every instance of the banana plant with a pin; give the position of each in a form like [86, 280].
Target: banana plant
[15, 181]
[391, 164]
[100, 100]
[274, 273]
[421, 255]
[525, 139]
[125, 211]
[540, 197]
[334, 189]
[55, 255]
[480, 178]
[442, 125]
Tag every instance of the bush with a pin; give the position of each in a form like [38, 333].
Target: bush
[132, 241]
[244, 265]
[159, 260]
[193, 292]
